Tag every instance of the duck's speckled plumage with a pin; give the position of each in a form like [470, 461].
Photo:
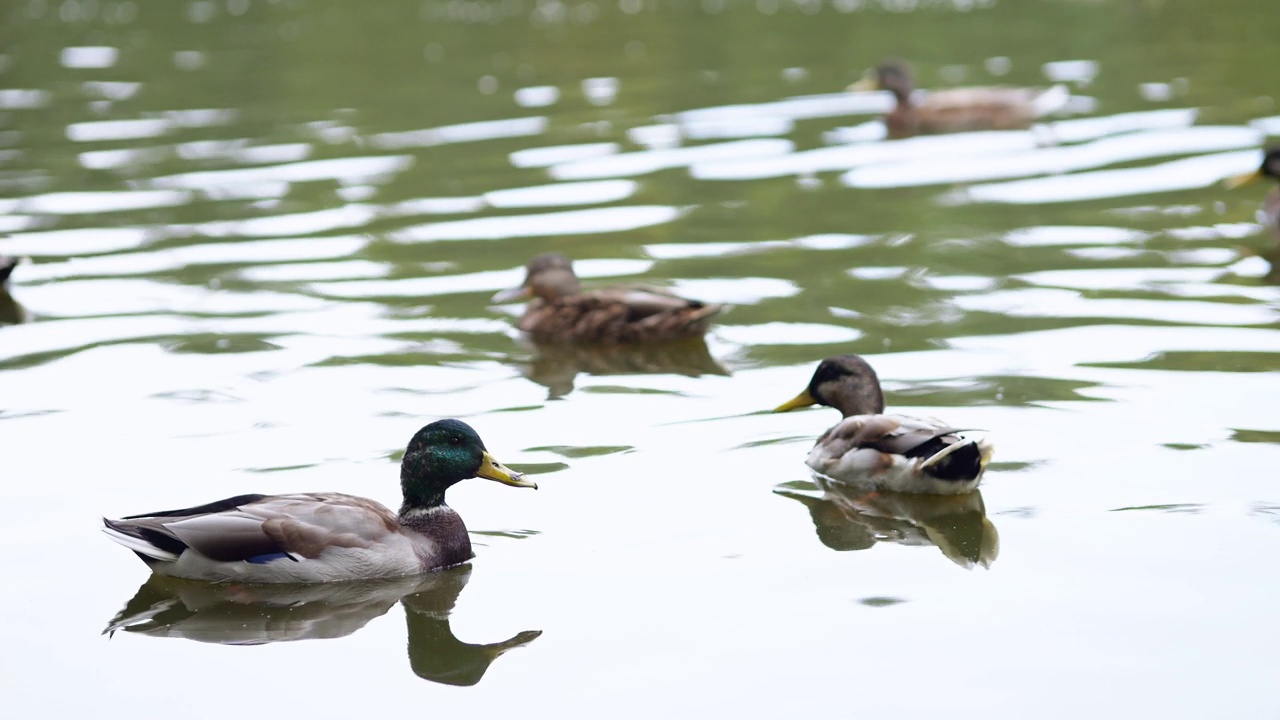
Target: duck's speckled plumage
[324, 537]
[889, 452]
[560, 310]
[956, 109]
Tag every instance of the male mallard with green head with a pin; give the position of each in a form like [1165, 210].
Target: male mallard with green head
[885, 452]
[325, 537]
[956, 109]
[561, 311]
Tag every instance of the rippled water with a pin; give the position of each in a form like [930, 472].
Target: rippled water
[263, 235]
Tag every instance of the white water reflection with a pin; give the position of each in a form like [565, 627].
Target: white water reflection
[1068, 304]
[465, 132]
[537, 96]
[562, 194]
[1189, 174]
[437, 206]
[24, 99]
[113, 90]
[557, 154]
[77, 203]
[80, 241]
[789, 333]
[284, 250]
[339, 218]
[830, 241]
[89, 57]
[89, 298]
[314, 271]
[648, 161]
[570, 222]
[350, 170]
[848, 156]
[1109, 151]
[103, 130]
[735, 291]
[1073, 235]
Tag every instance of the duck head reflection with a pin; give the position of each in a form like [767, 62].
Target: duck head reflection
[236, 614]
[556, 366]
[854, 518]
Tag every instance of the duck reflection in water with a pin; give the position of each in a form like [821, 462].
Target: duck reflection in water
[238, 614]
[853, 518]
[11, 313]
[556, 367]
[1269, 214]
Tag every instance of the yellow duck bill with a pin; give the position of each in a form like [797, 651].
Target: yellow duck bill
[804, 399]
[491, 469]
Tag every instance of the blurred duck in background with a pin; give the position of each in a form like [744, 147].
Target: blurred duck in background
[957, 109]
[561, 311]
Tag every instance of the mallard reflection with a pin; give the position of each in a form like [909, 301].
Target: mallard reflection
[556, 366]
[237, 614]
[853, 518]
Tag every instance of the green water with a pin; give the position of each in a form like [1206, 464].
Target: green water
[262, 240]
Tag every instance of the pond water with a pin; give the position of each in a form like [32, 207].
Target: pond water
[262, 241]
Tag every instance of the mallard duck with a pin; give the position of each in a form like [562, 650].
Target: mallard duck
[885, 452]
[561, 311]
[1270, 168]
[325, 537]
[953, 110]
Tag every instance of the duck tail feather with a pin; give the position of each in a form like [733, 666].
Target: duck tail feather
[120, 532]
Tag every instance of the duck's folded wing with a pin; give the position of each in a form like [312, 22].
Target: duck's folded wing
[291, 526]
[893, 434]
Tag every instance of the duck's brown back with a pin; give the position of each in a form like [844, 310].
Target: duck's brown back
[617, 315]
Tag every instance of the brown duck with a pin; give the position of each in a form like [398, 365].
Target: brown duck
[954, 110]
[561, 311]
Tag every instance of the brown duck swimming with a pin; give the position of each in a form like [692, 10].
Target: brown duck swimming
[885, 452]
[954, 110]
[561, 311]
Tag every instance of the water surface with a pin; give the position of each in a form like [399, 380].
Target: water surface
[263, 235]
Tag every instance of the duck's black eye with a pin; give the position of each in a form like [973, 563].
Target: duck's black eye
[455, 440]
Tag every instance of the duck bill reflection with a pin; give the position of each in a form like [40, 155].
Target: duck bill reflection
[1241, 180]
[804, 399]
[491, 469]
[510, 295]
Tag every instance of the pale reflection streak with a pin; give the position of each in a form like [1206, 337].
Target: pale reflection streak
[1188, 174]
[1108, 151]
